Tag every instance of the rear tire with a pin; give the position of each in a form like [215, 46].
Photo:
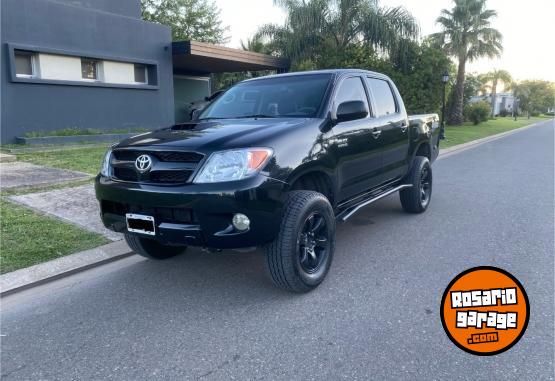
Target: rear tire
[417, 198]
[300, 257]
[152, 249]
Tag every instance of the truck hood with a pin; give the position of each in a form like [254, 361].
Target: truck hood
[216, 135]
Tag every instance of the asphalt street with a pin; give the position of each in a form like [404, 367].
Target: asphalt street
[376, 316]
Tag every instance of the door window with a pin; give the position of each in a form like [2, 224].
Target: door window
[351, 89]
[383, 96]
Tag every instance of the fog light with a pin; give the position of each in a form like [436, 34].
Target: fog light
[241, 222]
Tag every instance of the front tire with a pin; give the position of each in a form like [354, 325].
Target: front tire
[417, 198]
[152, 249]
[300, 257]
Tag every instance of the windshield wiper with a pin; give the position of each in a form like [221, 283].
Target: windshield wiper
[256, 116]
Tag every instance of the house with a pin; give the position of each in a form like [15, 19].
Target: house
[503, 102]
[96, 64]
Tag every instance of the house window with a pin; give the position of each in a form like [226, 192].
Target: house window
[140, 73]
[89, 69]
[24, 64]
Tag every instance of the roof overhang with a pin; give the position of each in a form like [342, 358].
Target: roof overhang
[202, 58]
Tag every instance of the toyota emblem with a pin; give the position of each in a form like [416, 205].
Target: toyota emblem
[143, 163]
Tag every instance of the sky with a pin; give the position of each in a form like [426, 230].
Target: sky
[528, 30]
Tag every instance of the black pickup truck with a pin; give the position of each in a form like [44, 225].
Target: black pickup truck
[275, 162]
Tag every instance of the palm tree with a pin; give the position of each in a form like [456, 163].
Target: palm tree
[254, 44]
[491, 80]
[316, 28]
[467, 35]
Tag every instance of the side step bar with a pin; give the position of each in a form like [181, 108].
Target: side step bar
[344, 215]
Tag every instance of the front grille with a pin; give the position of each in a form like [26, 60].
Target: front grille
[179, 171]
[126, 174]
[171, 156]
[160, 214]
[170, 177]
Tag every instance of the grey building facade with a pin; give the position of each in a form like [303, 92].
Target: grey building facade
[82, 64]
[94, 64]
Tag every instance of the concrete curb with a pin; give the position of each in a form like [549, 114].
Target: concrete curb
[23, 279]
[36, 275]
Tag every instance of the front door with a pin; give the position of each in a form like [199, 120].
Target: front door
[392, 121]
[354, 146]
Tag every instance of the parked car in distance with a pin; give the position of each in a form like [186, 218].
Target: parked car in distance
[196, 107]
[275, 162]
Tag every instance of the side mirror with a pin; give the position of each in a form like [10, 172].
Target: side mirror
[195, 113]
[351, 110]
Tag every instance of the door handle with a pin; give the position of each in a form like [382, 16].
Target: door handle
[376, 132]
[403, 125]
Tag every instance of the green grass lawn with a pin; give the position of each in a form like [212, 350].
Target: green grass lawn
[87, 159]
[467, 132]
[28, 238]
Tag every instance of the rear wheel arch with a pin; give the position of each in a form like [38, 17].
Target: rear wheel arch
[423, 149]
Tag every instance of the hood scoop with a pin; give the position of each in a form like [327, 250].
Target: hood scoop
[190, 126]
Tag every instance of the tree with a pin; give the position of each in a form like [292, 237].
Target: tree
[491, 80]
[473, 84]
[197, 20]
[315, 28]
[467, 35]
[255, 44]
[535, 96]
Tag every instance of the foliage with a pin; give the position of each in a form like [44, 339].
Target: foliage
[503, 113]
[473, 85]
[75, 131]
[316, 28]
[535, 96]
[492, 79]
[87, 159]
[29, 238]
[477, 112]
[197, 20]
[467, 35]
[255, 44]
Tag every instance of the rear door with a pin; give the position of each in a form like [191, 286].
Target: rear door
[393, 124]
[356, 150]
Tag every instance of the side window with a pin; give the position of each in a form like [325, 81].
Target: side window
[351, 89]
[381, 91]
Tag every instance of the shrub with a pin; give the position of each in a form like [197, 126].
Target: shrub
[503, 113]
[477, 112]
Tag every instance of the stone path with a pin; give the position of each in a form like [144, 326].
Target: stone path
[21, 175]
[77, 205]
[6, 158]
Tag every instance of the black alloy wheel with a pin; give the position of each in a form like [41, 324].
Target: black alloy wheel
[313, 243]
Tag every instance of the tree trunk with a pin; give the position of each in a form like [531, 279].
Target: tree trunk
[493, 97]
[456, 114]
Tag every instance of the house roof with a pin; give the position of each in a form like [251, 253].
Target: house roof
[203, 58]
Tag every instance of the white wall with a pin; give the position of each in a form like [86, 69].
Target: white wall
[52, 66]
[118, 72]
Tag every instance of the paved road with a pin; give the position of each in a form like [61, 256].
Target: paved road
[209, 316]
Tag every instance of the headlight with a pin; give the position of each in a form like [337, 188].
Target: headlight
[233, 165]
[105, 169]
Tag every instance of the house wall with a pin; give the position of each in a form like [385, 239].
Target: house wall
[101, 29]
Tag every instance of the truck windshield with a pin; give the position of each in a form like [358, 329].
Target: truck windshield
[297, 96]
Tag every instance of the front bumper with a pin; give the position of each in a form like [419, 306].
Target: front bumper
[197, 214]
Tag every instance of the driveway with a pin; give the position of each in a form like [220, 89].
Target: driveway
[217, 316]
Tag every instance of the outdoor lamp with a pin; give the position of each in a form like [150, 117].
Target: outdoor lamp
[445, 77]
